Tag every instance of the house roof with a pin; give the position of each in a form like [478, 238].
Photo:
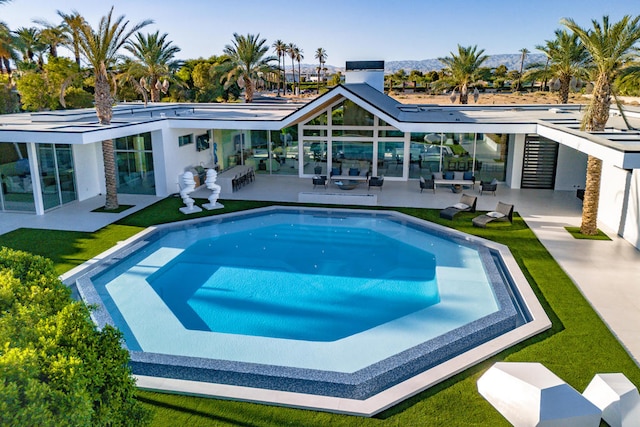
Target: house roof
[558, 122]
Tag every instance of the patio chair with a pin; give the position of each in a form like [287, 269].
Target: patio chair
[376, 181]
[489, 186]
[320, 180]
[427, 184]
[503, 212]
[467, 204]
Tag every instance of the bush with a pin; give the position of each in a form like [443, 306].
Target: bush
[56, 367]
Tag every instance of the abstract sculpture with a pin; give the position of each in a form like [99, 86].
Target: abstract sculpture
[187, 187]
[210, 182]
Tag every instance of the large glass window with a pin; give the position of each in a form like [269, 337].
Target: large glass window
[390, 158]
[57, 178]
[134, 165]
[352, 156]
[315, 157]
[347, 113]
[16, 189]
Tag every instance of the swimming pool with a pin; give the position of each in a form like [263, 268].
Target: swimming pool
[336, 303]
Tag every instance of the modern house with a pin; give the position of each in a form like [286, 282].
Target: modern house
[48, 159]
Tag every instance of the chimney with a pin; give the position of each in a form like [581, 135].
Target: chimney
[369, 72]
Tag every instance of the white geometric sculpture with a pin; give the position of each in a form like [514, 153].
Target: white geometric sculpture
[528, 394]
[617, 397]
[188, 186]
[210, 182]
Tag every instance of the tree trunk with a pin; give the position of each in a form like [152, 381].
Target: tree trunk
[278, 73]
[248, 89]
[104, 111]
[591, 200]
[103, 99]
[108, 157]
[563, 93]
[464, 94]
[155, 92]
[595, 120]
[293, 71]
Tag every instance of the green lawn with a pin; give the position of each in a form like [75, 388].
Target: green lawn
[578, 346]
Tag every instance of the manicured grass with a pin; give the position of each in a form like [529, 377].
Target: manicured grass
[575, 232]
[577, 347]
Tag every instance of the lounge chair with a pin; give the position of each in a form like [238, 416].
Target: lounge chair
[320, 180]
[503, 212]
[489, 186]
[376, 181]
[467, 204]
[427, 184]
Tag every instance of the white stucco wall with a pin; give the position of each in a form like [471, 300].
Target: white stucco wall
[515, 160]
[374, 78]
[174, 159]
[620, 202]
[89, 170]
[571, 171]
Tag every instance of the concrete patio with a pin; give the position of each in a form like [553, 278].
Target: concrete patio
[605, 271]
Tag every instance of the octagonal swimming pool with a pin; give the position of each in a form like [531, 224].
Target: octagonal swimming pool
[336, 303]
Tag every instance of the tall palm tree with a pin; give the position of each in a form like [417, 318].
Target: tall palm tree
[523, 55]
[567, 58]
[280, 48]
[321, 56]
[247, 56]
[29, 43]
[7, 49]
[462, 69]
[291, 50]
[299, 57]
[52, 36]
[154, 55]
[610, 46]
[100, 48]
[71, 23]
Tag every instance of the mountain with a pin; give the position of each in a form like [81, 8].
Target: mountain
[512, 62]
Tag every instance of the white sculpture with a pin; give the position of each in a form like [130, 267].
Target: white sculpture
[188, 186]
[617, 397]
[210, 182]
[530, 395]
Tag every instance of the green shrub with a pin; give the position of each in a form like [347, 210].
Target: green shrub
[56, 367]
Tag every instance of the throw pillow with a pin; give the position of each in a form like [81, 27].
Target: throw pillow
[495, 214]
[461, 206]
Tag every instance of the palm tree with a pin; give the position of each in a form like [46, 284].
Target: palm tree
[29, 43]
[610, 46]
[280, 48]
[299, 57]
[52, 36]
[524, 51]
[247, 56]
[321, 56]
[155, 61]
[7, 49]
[71, 23]
[100, 49]
[291, 50]
[567, 58]
[461, 70]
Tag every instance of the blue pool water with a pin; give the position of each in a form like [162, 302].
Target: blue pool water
[327, 291]
[297, 281]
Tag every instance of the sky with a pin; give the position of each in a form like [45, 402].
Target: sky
[348, 30]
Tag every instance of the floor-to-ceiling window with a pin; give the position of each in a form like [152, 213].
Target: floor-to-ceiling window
[345, 138]
[16, 189]
[134, 164]
[57, 177]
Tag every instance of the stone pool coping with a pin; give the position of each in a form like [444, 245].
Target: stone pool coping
[344, 397]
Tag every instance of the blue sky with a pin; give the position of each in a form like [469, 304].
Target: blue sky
[347, 29]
